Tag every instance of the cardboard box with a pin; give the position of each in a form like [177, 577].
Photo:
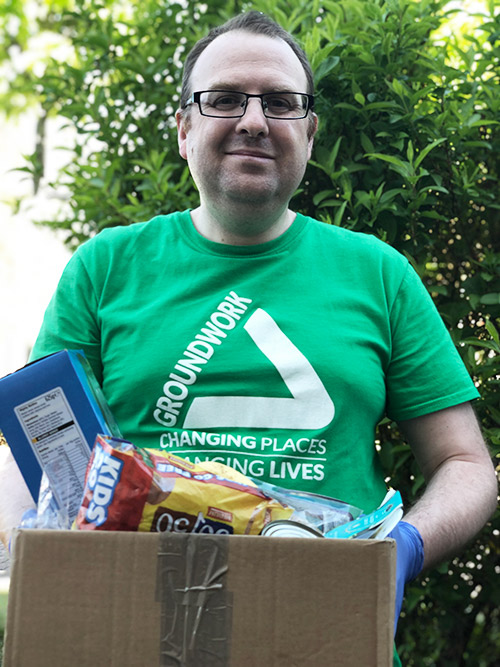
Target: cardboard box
[50, 414]
[193, 600]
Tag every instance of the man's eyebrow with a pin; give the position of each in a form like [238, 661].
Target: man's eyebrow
[237, 88]
[223, 86]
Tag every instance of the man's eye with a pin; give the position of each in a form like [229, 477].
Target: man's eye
[226, 101]
[279, 102]
[282, 103]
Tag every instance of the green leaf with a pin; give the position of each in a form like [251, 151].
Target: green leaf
[358, 95]
[410, 152]
[423, 154]
[360, 98]
[366, 143]
[492, 330]
[97, 182]
[490, 299]
[381, 106]
[325, 67]
[321, 196]
[339, 214]
[388, 158]
[403, 168]
[486, 344]
[390, 195]
[398, 87]
[345, 105]
[334, 153]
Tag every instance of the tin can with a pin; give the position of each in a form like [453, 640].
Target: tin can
[287, 528]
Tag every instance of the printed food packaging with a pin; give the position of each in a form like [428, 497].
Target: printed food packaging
[50, 414]
[127, 488]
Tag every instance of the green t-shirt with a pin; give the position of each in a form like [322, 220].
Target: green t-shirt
[277, 359]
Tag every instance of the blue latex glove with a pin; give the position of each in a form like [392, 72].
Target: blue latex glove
[409, 560]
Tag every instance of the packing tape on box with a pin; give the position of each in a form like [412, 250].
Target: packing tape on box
[196, 607]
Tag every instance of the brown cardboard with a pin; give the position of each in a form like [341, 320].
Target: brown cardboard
[193, 600]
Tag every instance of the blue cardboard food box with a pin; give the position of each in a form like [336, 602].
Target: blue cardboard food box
[50, 414]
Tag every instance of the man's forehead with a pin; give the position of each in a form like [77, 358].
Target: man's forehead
[239, 58]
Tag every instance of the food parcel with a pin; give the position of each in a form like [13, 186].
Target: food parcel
[166, 562]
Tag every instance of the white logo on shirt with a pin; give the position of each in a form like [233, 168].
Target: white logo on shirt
[310, 408]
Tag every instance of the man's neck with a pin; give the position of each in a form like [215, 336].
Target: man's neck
[240, 230]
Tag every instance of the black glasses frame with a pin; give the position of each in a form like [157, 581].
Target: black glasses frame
[195, 98]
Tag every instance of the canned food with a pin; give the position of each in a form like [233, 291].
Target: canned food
[288, 528]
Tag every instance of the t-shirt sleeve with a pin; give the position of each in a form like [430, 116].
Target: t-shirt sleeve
[425, 372]
[71, 319]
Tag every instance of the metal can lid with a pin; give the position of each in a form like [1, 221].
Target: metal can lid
[286, 528]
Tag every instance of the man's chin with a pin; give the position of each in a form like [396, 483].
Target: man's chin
[252, 196]
[252, 191]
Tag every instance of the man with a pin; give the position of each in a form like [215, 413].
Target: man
[243, 332]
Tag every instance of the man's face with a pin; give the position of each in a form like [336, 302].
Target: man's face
[252, 160]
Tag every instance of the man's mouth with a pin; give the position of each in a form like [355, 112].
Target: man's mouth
[251, 153]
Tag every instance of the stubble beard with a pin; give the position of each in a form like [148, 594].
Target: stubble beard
[249, 206]
[245, 211]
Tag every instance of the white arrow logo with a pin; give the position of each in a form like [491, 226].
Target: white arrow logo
[310, 408]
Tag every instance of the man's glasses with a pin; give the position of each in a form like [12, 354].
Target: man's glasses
[231, 104]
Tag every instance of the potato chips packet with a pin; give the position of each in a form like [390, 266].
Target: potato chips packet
[149, 490]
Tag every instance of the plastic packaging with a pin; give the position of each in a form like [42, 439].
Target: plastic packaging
[151, 490]
[321, 513]
[47, 515]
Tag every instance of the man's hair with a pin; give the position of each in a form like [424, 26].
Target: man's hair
[254, 22]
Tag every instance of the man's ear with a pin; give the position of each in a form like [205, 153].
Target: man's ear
[311, 132]
[182, 130]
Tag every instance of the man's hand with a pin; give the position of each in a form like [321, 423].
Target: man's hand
[409, 560]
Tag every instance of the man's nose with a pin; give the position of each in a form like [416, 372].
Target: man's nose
[253, 122]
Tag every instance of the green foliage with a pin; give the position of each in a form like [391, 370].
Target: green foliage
[408, 149]
[3, 617]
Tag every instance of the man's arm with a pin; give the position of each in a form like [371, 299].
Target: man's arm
[15, 497]
[461, 491]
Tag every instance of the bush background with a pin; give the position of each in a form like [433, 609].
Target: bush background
[407, 149]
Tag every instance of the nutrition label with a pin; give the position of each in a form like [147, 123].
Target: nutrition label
[58, 443]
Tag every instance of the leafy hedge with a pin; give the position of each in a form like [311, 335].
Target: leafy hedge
[408, 149]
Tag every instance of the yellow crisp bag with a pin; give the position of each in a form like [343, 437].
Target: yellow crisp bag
[149, 490]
